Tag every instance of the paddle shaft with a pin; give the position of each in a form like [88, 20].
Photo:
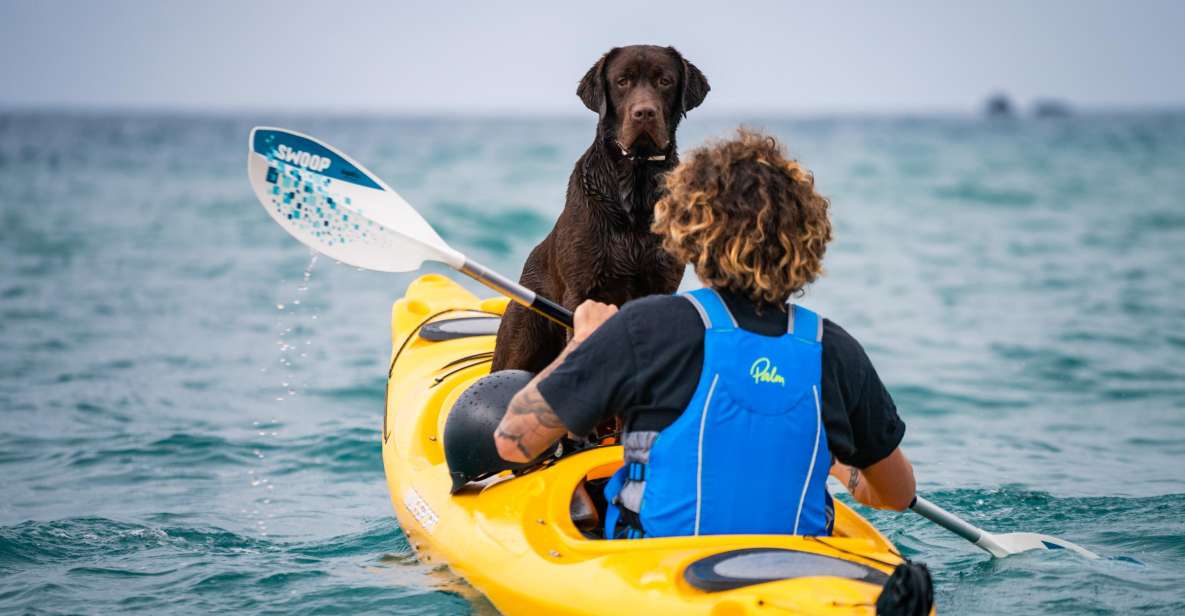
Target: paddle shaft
[517, 292]
[946, 519]
[558, 314]
[992, 544]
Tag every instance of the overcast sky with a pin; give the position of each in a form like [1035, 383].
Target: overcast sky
[504, 56]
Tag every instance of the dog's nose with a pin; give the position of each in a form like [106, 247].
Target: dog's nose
[644, 113]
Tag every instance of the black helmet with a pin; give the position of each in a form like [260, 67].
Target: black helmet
[469, 447]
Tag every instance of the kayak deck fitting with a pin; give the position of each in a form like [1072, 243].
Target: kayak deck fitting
[513, 538]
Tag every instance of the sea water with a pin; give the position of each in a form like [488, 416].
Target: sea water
[190, 403]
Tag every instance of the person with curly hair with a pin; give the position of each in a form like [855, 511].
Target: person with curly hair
[735, 402]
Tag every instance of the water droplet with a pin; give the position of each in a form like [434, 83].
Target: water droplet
[296, 302]
[279, 306]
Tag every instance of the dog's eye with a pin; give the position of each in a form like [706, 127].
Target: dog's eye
[665, 81]
[623, 82]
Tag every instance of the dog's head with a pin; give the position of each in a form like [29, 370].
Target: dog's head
[640, 93]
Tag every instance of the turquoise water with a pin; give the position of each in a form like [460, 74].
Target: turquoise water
[190, 403]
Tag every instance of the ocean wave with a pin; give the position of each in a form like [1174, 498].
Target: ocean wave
[180, 450]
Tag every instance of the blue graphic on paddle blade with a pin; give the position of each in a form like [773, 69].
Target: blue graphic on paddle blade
[301, 152]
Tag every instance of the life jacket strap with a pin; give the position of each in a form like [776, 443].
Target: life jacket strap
[805, 324]
[620, 522]
[714, 312]
[711, 308]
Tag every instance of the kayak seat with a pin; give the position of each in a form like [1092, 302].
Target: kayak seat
[746, 567]
[588, 508]
[463, 327]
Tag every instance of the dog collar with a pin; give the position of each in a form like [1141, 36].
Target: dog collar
[631, 158]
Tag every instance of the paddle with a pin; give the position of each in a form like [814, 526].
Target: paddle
[336, 206]
[998, 545]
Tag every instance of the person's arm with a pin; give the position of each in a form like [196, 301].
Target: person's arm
[887, 484]
[530, 426]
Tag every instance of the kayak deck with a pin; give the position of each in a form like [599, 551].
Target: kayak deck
[514, 539]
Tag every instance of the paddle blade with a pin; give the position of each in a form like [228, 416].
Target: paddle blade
[998, 545]
[1015, 543]
[337, 207]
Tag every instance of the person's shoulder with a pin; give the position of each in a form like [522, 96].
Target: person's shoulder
[834, 334]
[661, 312]
[842, 345]
[652, 304]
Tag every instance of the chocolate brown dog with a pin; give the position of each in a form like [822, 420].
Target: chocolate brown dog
[601, 247]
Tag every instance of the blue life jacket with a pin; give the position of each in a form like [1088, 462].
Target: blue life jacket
[748, 455]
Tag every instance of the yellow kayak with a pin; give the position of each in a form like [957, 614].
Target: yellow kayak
[514, 540]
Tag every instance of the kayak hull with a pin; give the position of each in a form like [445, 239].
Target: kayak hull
[513, 538]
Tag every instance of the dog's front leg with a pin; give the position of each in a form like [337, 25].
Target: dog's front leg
[526, 341]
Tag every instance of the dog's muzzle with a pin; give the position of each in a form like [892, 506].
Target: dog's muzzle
[636, 157]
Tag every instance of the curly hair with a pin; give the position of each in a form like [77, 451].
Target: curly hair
[746, 217]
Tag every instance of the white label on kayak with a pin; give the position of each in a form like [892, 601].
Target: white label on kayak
[420, 510]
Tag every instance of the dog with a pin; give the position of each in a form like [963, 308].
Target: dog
[601, 247]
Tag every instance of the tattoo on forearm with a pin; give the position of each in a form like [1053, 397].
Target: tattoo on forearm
[531, 402]
[853, 479]
[530, 423]
[517, 439]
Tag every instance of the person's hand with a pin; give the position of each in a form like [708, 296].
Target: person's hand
[589, 316]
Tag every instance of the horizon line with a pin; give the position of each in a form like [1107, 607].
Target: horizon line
[1018, 111]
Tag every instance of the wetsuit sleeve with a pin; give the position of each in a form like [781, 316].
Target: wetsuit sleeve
[595, 380]
[859, 414]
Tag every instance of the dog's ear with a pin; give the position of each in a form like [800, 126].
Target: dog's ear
[592, 88]
[695, 85]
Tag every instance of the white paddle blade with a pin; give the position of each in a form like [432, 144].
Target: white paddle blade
[337, 207]
[997, 545]
[1002, 545]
